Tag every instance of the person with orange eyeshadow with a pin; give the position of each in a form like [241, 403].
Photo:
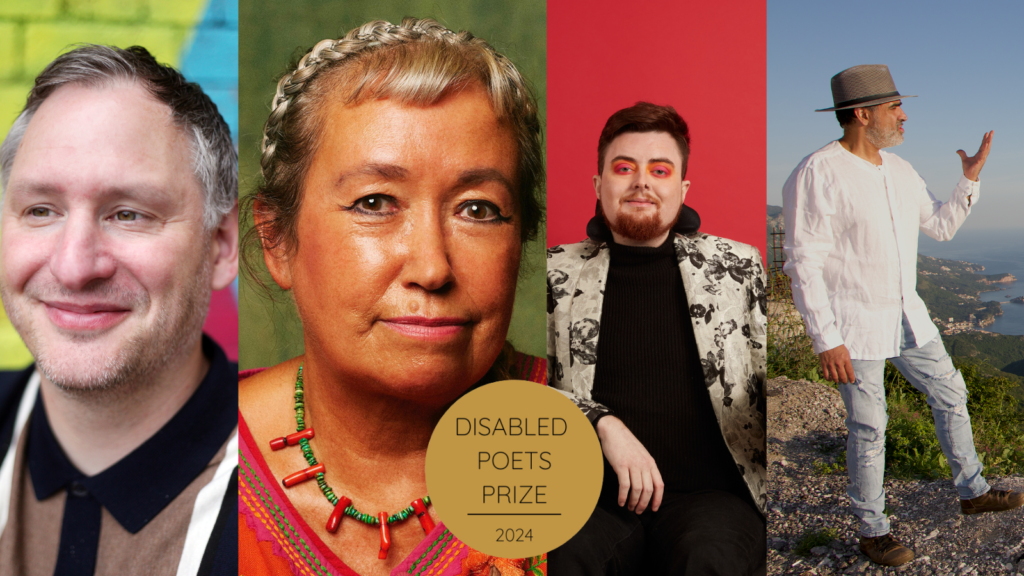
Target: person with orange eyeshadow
[677, 320]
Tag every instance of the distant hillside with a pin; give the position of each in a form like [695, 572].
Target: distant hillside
[950, 288]
[1003, 352]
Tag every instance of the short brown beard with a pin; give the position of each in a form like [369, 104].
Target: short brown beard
[639, 228]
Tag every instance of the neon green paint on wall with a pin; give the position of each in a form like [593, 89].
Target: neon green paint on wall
[184, 12]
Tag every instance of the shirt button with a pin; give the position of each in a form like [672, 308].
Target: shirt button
[78, 490]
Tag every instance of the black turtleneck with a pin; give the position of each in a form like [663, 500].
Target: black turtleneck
[649, 372]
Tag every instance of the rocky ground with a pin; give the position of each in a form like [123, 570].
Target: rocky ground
[806, 437]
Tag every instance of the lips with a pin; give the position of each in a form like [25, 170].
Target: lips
[640, 201]
[90, 317]
[427, 328]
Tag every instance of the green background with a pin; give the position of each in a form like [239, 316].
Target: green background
[276, 33]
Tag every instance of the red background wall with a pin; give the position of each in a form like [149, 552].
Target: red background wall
[706, 59]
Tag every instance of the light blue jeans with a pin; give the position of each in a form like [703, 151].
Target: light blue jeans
[931, 371]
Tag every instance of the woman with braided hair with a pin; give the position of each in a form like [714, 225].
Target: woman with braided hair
[401, 167]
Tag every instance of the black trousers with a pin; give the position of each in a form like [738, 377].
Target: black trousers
[694, 534]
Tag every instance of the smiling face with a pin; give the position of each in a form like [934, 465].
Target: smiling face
[640, 189]
[102, 274]
[885, 125]
[408, 245]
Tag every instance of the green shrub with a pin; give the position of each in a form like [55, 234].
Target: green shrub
[912, 449]
[822, 468]
[813, 539]
[790, 352]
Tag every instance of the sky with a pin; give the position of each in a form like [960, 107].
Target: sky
[964, 61]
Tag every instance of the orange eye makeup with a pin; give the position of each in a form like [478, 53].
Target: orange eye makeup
[623, 167]
[659, 170]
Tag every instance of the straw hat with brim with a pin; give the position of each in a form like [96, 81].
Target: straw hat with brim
[863, 86]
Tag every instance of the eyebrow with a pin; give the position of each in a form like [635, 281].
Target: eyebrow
[651, 161]
[376, 169]
[140, 191]
[482, 175]
[466, 178]
[37, 188]
[896, 104]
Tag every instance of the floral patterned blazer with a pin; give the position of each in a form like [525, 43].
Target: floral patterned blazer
[725, 287]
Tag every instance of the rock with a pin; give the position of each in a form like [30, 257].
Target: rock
[802, 502]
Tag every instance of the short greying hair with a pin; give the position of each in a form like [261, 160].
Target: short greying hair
[214, 160]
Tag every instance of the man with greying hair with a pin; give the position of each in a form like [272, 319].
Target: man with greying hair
[852, 213]
[118, 218]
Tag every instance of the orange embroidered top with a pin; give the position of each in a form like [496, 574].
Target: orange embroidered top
[274, 540]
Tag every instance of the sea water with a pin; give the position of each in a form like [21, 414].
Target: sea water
[998, 251]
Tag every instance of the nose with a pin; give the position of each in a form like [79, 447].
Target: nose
[79, 257]
[641, 180]
[428, 265]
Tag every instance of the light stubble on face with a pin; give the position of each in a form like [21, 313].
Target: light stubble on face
[139, 355]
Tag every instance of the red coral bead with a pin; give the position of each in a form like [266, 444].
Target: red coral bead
[291, 439]
[385, 536]
[302, 475]
[421, 512]
[339, 512]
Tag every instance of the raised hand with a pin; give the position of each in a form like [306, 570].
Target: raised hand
[973, 164]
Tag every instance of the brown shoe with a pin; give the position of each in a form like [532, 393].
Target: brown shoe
[993, 501]
[885, 550]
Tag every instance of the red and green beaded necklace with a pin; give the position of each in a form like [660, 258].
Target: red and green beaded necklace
[343, 504]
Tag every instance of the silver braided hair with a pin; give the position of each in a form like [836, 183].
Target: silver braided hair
[214, 159]
[417, 62]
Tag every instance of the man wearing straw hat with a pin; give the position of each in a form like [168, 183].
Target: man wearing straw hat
[852, 214]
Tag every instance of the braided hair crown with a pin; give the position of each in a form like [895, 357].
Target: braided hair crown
[375, 34]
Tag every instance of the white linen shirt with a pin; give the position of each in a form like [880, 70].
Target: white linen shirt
[851, 248]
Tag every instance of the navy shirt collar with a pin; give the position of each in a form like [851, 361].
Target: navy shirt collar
[136, 488]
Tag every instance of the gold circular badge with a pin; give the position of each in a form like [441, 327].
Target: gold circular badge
[514, 469]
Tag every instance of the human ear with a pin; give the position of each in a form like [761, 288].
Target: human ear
[275, 253]
[685, 186]
[863, 116]
[597, 186]
[224, 250]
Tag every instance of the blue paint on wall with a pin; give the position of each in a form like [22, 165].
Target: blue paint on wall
[211, 58]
